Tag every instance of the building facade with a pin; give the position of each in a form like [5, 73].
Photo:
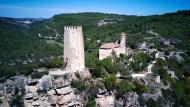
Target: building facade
[108, 49]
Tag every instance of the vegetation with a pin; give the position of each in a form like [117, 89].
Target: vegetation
[140, 62]
[123, 87]
[22, 51]
[110, 82]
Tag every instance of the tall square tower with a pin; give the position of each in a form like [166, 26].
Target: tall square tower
[74, 48]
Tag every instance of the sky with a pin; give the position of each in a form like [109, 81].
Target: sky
[49, 8]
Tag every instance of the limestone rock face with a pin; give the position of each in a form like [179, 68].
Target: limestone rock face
[32, 82]
[58, 83]
[52, 100]
[66, 99]
[36, 103]
[131, 99]
[45, 83]
[105, 99]
[4, 102]
[64, 91]
[31, 89]
[51, 92]
[28, 96]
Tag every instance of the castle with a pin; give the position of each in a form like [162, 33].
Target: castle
[107, 49]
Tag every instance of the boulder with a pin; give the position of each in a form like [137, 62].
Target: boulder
[51, 92]
[71, 104]
[64, 91]
[35, 96]
[32, 82]
[45, 83]
[131, 99]
[105, 101]
[61, 100]
[29, 96]
[58, 83]
[31, 89]
[36, 103]
[52, 100]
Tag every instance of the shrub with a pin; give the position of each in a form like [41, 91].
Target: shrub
[110, 82]
[140, 88]
[123, 87]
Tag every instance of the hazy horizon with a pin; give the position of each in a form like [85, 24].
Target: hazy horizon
[47, 9]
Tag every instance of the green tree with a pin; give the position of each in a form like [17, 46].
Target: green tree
[140, 88]
[140, 62]
[110, 82]
[123, 87]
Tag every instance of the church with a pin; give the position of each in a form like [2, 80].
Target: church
[107, 49]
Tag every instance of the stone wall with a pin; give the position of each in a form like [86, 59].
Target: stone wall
[74, 48]
[104, 53]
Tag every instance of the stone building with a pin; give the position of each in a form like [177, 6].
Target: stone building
[107, 49]
[74, 48]
[73, 53]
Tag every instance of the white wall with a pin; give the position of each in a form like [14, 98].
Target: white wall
[104, 53]
[74, 48]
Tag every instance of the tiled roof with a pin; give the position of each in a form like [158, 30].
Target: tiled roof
[109, 45]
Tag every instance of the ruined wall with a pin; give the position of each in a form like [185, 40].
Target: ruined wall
[74, 48]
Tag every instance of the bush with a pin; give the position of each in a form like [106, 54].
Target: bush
[80, 85]
[26, 69]
[123, 87]
[110, 82]
[55, 63]
[36, 74]
[140, 88]
[7, 72]
[91, 102]
[141, 61]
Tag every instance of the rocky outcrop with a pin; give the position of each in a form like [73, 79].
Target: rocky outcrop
[130, 99]
[45, 83]
[31, 89]
[65, 99]
[4, 102]
[50, 92]
[59, 83]
[105, 99]
[32, 82]
[28, 96]
[64, 91]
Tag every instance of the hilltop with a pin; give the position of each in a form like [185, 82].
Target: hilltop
[159, 42]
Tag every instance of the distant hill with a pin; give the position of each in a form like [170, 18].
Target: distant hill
[25, 37]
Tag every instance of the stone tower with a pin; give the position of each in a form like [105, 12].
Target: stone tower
[122, 43]
[74, 48]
